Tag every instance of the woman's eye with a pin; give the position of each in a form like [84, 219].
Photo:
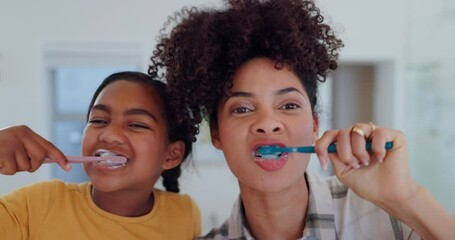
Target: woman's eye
[288, 106]
[241, 110]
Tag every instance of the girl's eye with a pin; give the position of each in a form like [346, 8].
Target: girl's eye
[140, 126]
[289, 106]
[97, 121]
[240, 110]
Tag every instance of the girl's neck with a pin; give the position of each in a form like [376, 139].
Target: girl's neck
[126, 204]
[279, 215]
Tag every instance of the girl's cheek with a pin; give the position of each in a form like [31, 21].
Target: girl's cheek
[87, 141]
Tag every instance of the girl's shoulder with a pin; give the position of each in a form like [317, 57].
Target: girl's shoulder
[40, 187]
[175, 199]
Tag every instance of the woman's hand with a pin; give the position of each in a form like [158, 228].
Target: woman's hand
[384, 178]
[379, 176]
[21, 149]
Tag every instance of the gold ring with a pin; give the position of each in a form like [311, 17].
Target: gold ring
[373, 127]
[358, 131]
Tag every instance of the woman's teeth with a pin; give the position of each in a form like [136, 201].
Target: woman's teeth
[266, 157]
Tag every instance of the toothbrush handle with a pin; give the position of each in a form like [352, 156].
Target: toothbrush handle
[333, 147]
[82, 159]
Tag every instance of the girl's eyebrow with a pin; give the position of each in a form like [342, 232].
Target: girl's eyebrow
[133, 111]
[140, 111]
[101, 107]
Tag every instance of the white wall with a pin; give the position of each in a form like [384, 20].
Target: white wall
[375, 32]
[431, 84]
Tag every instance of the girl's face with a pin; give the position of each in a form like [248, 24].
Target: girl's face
[266, 107]
[127, 119]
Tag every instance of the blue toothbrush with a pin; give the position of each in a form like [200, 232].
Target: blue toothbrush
[272, 152]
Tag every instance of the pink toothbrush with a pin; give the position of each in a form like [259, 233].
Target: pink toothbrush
[108, 160]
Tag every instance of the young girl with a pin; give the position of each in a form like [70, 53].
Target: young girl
[128, 116]
[253, 69]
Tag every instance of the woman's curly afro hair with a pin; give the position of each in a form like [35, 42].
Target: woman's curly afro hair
[199, 56]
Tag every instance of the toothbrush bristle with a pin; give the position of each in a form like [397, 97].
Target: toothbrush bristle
[268, 152]
[109, 163]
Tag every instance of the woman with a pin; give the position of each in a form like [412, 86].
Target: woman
[253, 69]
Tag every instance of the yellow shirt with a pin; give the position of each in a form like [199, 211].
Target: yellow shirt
[57, 210]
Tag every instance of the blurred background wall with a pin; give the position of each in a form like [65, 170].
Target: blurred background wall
[396, 70]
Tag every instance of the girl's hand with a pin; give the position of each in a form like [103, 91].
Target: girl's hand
[21, 149]
[380, 176]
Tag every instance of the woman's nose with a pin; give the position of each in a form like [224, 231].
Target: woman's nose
[112, 135]
[267, 124]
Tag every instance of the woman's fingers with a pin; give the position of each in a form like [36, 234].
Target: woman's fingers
[359, 134]
[344, 149]
[322, 144]
[351, 145]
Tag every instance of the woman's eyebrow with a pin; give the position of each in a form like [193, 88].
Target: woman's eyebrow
[241, 94]
[278, 92]
[288, 90]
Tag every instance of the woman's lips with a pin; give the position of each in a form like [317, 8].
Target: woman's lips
[270, 164]
[273, 165]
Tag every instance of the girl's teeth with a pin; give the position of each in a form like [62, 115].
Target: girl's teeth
[108, 163]
[111, 164]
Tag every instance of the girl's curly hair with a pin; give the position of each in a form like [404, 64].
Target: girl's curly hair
[204, 49]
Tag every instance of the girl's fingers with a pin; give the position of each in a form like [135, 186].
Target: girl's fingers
[50, 151]
[24, 150]
[8, 167]
[23, 162]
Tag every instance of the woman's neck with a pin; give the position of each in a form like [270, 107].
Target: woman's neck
[278, 215]
[126, 204]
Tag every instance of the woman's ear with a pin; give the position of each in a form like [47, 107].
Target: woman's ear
[175, 153]
[214, 135]
[315, 125]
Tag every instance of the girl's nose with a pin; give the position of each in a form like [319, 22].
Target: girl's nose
[267, 124]
[112, 135]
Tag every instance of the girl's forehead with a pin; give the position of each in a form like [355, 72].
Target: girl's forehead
[130, 94]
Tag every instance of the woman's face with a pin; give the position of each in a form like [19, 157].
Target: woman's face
[266, 107]
[127, 119]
